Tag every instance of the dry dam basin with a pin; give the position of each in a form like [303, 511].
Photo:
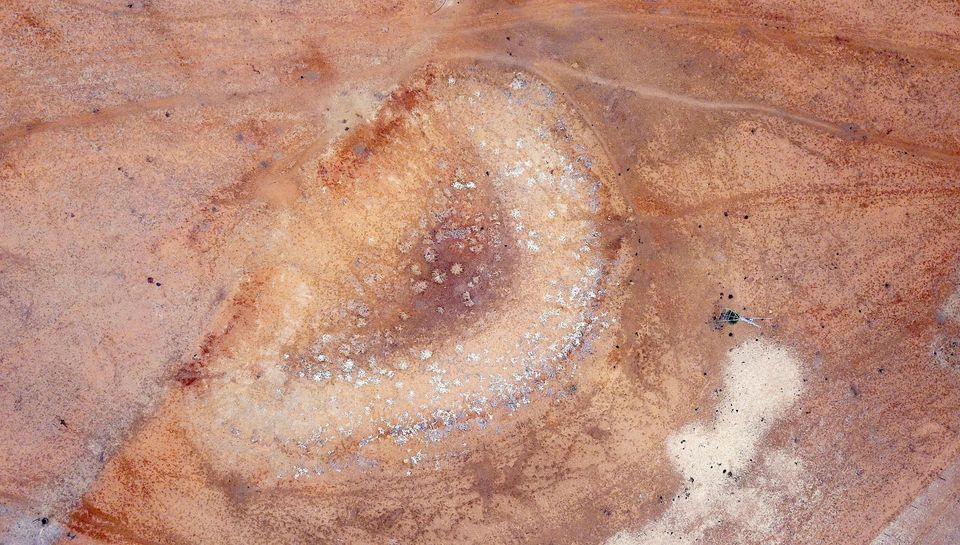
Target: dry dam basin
[450, 272]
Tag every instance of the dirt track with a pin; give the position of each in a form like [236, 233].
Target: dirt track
[447, 273]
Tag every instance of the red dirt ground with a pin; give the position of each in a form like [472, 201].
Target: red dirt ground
[448, 272]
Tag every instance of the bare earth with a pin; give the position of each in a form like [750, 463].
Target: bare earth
[449, 271]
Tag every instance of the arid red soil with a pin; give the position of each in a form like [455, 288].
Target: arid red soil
[480, 272]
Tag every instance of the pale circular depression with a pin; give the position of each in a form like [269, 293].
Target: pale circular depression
[446, 265]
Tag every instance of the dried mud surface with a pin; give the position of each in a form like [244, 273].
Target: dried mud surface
[448, 272]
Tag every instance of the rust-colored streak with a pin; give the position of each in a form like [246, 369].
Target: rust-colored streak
[103, 527]
[233, 319]
[337, 172]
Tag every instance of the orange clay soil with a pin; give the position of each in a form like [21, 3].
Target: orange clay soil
[450, 272]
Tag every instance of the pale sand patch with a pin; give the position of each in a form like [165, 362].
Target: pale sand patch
[931, 517]
[945, 346]
[761, 382]
[951, 307]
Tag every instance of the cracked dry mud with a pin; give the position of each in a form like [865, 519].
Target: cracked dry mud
[477, 272]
